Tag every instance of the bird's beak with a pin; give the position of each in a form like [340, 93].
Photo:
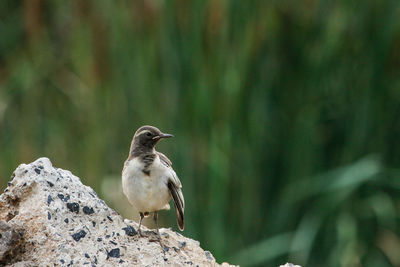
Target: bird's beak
[163, 135]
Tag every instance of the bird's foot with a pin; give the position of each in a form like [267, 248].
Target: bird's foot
[145, 233]
[163, 247]
[140, 233]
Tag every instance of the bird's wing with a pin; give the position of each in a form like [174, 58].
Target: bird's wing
[164, 160]
[175, 188]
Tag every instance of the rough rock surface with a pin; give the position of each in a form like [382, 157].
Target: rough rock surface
[49, 218]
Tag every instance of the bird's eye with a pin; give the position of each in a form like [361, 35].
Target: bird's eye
[148, 134]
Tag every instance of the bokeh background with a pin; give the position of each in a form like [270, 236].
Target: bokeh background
[286, 115]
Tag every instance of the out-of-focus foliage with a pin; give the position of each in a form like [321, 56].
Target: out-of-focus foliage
[286, 115]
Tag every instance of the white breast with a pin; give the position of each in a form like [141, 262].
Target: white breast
[146, 193]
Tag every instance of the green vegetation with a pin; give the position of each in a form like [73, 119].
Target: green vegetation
[286, 115]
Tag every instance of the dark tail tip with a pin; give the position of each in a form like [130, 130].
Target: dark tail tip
[181, 223]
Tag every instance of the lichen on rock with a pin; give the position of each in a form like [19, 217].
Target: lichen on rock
[48, 217]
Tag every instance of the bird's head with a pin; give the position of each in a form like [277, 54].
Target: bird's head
[148, 136]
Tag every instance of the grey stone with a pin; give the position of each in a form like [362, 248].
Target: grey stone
[40, 225]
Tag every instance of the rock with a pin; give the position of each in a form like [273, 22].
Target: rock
[10, 240]
[48, 217]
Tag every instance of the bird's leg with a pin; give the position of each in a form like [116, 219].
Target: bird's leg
[140, 223]
[155, 217]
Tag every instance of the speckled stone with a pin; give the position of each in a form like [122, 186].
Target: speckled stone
[52, 219]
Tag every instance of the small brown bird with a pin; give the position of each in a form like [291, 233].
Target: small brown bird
[148, 180]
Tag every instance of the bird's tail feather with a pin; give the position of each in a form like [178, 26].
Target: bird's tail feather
[179, 203]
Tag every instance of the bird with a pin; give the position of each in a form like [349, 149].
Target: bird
[148, 179]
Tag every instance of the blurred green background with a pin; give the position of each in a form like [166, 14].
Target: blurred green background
[286, 115]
